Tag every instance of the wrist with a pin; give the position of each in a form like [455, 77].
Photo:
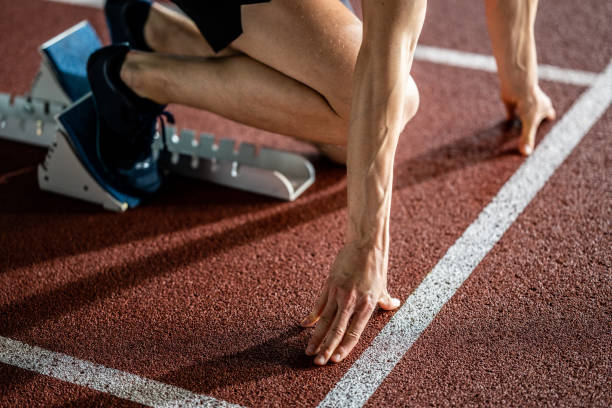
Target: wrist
[371, 260]
[368, 224]
[374, 239]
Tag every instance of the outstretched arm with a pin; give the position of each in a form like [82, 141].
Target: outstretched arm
[385, 97]
[511, 27]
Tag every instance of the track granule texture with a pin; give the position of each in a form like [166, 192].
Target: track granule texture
[531, 326]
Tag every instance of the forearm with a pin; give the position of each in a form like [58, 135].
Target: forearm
[376, 122]
[511, 28]
[384, 98]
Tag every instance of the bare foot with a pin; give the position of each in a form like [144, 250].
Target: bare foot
[531, 111]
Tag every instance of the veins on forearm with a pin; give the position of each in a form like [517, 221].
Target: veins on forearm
[371, 171]
[378, 114]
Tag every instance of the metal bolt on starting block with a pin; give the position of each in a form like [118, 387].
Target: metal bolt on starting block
[28, 120]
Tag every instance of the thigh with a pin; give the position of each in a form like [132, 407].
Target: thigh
[218, 21]
[315, 42]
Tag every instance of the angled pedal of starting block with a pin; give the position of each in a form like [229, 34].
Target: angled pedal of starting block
[73, 167]
[60, 80]
[46, 87]
[269, 172]
[63, 173]
[63, 72]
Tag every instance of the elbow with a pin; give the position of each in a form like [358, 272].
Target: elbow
[411, 101]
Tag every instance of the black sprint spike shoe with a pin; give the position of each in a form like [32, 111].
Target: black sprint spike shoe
[126, 124]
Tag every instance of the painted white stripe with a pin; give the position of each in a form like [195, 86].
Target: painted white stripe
[97, 377]
[455, 58]
[566, 76]
[421, 307]
[487, 63]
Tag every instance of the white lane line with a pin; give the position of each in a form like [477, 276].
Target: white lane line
[421, 307]
[487, 63]
[97, 377]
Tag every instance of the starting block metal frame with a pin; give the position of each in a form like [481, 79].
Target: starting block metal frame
[63, 173]
[28, 120]
[270, 172]
[46, 87]
[31, 119]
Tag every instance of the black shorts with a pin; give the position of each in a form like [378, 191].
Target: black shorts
[219, 21]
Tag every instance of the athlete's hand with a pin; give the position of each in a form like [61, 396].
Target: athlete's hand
[357, 283]
[532, 108]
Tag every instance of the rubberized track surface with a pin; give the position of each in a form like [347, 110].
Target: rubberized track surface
[203, 287]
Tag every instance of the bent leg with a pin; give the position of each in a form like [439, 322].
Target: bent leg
[511, 28]
[238, 88]
[169, 32]
[315, 42]
[291, 71]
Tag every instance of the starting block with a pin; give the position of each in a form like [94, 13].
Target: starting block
[60, 90]
[73, 168]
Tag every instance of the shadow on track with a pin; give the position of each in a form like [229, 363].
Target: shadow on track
[28, 312]
[270, 358]
[38, 226]
[486, 144]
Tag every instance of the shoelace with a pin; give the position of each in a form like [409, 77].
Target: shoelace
[144, 144]
[162, 124]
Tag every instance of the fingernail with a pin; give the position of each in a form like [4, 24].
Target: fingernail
[305, 321]
[336, 357]
[395, 302]
[320, 360]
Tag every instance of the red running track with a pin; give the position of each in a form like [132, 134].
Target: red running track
[203, 288]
